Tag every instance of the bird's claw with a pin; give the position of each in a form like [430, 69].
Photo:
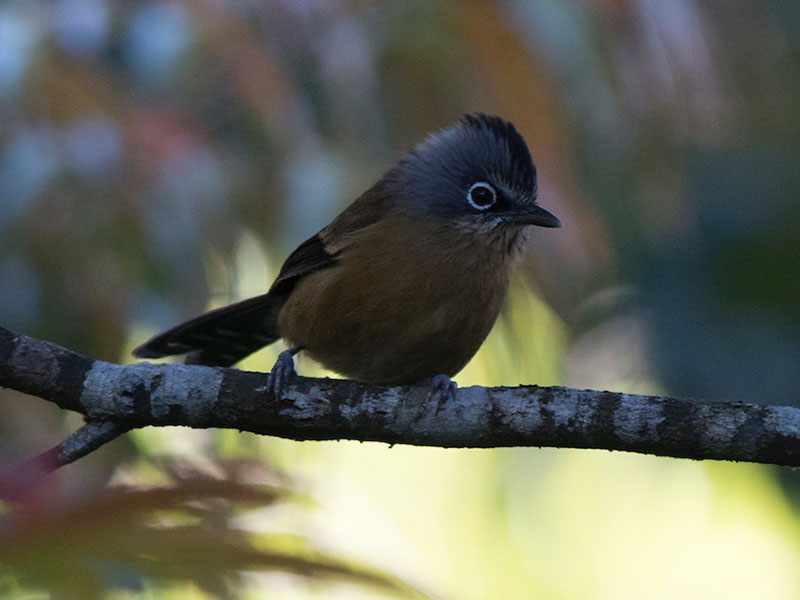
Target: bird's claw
[282, 373]
[442, 391]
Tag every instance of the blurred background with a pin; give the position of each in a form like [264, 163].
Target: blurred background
[161, 158]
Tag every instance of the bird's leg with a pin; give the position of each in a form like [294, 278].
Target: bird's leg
[282, 372]
[443, 390]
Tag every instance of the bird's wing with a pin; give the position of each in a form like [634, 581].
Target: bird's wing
[322, 251]
[312, 255]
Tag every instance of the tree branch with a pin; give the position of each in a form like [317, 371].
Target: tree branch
[116, 398]
[88, 438]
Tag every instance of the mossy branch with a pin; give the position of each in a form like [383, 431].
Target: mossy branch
[115, 398]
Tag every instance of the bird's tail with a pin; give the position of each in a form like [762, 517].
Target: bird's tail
[220, 337]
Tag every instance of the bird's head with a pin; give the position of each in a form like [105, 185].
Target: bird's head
[476, 175]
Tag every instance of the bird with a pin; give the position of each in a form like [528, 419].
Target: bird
[404, 285]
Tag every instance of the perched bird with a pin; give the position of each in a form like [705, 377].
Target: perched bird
[405, 284]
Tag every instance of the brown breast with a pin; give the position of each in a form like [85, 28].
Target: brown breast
[408, 301]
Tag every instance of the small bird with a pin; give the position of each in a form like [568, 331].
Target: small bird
[406, 283]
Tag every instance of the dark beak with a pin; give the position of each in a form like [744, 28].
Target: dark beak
[536, 215]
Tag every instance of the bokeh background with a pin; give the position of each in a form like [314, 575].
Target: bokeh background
[159, 158]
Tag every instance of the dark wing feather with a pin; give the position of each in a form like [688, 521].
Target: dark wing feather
[224, 336]
[228, 334]
[323, 250]
[312, 255]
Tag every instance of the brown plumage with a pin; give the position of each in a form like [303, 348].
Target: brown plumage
[406, 283]
[356, 321]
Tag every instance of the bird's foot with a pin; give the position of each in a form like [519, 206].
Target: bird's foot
[442, 390]
[282, 373]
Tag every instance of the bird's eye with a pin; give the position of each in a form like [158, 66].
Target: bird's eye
[481, 196]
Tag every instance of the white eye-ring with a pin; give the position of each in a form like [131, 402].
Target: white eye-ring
[481, 196]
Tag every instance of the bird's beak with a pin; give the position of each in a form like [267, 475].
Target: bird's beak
[536, 215]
